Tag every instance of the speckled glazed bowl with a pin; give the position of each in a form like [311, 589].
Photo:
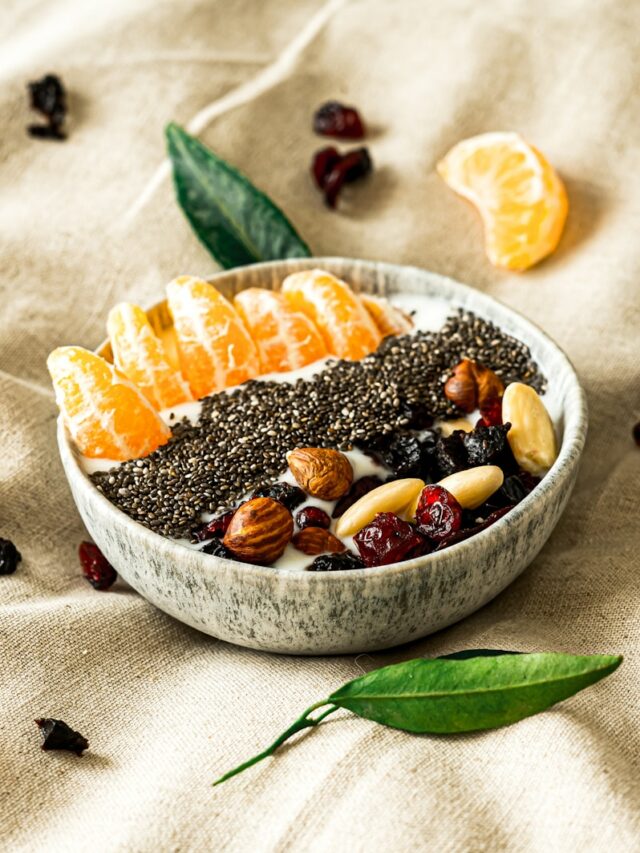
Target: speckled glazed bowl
[362, 610]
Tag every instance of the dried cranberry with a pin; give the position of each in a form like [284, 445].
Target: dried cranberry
[323, 162]
[9, 557]
[389, 539]
[48, 97]
[312, 516]
[450, 454]
[358, 489]
[491, 412]
[636, 433]
[56, 734]
[217, 549]
[488, 445]
[290, 496]
[468, 532]
[336, 119]
[352, 166]
[438, 514]
[336, 562]
[95, 566]
[216, 527]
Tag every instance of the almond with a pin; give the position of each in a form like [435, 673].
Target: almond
[322, 473]
[532, 437]
[317, 540]
[473, 486]
[259, 531]
[390, 497]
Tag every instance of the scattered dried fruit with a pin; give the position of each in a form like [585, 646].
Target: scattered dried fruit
[288, 495]
[316, 540]
[312, 516]
[450, 454]
[402, 452]
[336, 562]
[217, 527]
[532, 436]
[390, 497]
[216, 549]
[636, 433]
[322, 473]
[9, 557]
[56, 734]
[350, 167]
[359, 488]
[336, 119]
[259, 531]
[468, 532]
[95, 566]
[323, 162]
[438, 513]
[388, 539]
[49, 98]
[488, 445]
[472, 487]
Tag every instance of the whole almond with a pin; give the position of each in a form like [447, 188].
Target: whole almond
[532, 437]
[473, 486]
[322, 473]
[390, 497]
[317, 540]
[259, 531]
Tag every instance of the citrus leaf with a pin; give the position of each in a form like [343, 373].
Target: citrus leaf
[449, 696]
[234, 220]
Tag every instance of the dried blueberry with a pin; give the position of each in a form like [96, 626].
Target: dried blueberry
[450, 454]
[389, 539]
[487, 445]
[9, 557]
[290, 496]
[56, 734]
[358, 489]
[336, 562]
[636, 433]
[95, 566]
[217, 549]
[49, 98]
[336, 119]
[312, 516]
[468, 532]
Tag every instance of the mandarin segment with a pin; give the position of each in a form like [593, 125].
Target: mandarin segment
[345, 324]
[215, 349]
[141, 356]
[389, 319]
[522, 201]
[286, 339]
[106, 415]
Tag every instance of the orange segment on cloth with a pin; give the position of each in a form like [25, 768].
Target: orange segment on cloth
[141, 356]
[521, 199]
[215, 349]
[389, 319]
[106, 415]
[286, 339]
[343, 321]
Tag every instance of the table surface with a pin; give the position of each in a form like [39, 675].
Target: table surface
[93, 220]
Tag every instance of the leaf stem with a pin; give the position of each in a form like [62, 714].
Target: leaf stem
[303, 722]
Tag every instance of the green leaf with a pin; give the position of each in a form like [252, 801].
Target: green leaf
[236, 222]
[449, 696]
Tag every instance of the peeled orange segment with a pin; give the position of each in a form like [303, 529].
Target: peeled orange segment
[286, 339]
[389, 319]
[521, 199]
[344, 323]
[141, 356]
[214, 347]
[107, 416]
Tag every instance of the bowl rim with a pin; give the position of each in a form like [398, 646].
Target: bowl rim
[568, 457]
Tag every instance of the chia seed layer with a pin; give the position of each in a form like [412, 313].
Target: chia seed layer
[241, 439]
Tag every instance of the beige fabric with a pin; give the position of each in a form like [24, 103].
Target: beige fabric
[90, 221]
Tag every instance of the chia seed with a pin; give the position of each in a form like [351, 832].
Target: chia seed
[242, 437]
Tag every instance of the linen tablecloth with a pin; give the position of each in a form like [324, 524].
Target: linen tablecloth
[93, 220]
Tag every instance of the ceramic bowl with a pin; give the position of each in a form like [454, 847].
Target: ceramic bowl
[361, 610]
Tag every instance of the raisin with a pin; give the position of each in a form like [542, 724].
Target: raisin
[636, 433]
[358, 489]
[389, 539]
[95, 566]
[216, 527]
[419, 415]
[323, 162]
[336, 562]
[312, 516]
[488, 445]
[468, 532]
[49, 98]
[9, 557]
[288, 495]
[352, 166]
[56, 734]
[217, 549]
[438, 513]
[450, 454]
[336, 119]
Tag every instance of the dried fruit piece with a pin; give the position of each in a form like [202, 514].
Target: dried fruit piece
[532, 437]
[259, 531]
[322, 473]
[288, 495]
[312, 516]
[488, 446]
[390, 497]
[217, 527]
[636, 433]
[323, 162]
[95, 566]
[388, 539]
[359, 488]
[468, 532]
[343, 321]
[336, 562]
[216, 549]
[402, 453]
[216, 351]
[107, 416]
[56, 734]
[473, 486]
[491, 413]
[336, 119]
[350, 167]
[316, 540]
[389, 319]
[450, 454]
[49, 98]
[140, 356]
[438, 513]
[9, 557]
[286, 339]
[522, 201]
